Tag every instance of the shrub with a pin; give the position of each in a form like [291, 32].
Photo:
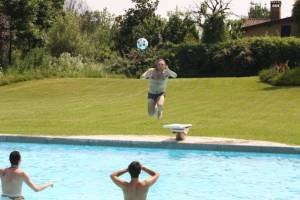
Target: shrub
[35, 58]
[290, 77]
[37, 68]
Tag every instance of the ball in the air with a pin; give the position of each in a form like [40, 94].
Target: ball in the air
[142, 43]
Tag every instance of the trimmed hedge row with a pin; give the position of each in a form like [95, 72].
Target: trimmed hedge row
[243, 57]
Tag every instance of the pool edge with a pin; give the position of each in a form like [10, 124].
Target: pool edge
[166, 144]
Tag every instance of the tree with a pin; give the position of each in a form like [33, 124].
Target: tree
[257, 11]
[179, 28]
[235, 29]
[296, 14]
[211, 16]
[20, 15]
[64, 35]
[4, 35]
[96, 26]
[142, 16]
[28, 21]
[76, 6]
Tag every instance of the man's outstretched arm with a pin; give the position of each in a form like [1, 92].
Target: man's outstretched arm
[34, 186]
[115, 177]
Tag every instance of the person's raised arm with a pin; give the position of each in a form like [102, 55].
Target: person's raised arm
[34, 186]
[115, 177]
[154, 176]
[147, 74]
[171, 73]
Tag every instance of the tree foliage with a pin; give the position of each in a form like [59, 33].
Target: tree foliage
[296, 14]
[211, 16]
[258, 11]
[28, 21]
[142, 19]
[4, 35]
[180, 28]
[235, 28]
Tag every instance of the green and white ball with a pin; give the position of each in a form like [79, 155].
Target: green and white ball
[142, 43]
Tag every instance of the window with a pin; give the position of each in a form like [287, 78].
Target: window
[286, 30]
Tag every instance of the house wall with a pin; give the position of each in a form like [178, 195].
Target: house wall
[270, 29]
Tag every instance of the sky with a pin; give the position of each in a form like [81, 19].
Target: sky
[238, 7]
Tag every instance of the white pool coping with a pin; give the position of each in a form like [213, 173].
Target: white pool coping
[152, 141]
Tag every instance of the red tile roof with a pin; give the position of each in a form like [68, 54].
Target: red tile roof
[252, 22]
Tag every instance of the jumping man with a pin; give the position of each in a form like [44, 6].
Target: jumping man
[158, 78]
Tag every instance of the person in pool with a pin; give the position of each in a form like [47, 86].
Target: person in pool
[13, 177]
[158, 78]
[135, 189]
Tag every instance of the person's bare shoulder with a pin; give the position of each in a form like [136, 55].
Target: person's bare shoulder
[144, 184]
[151, 69]
[126, 185]
[23, 174]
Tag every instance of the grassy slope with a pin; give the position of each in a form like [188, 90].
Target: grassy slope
[226, 107]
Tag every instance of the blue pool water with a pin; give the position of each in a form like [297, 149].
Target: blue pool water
[82, 172]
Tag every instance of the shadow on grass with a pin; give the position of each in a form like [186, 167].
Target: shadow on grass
[274, 88]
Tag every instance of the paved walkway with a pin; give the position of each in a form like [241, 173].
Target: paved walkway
[188, 140]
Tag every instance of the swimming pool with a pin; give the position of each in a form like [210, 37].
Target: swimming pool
[82, 172]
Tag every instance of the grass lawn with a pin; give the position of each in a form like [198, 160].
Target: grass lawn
[223, 107]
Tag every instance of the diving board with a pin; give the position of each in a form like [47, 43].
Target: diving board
[181, 130]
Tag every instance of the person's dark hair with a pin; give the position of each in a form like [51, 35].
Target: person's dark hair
[134, 169]
[14, 157]
[161, 59]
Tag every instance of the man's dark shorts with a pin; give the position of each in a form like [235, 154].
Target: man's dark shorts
[154, 97]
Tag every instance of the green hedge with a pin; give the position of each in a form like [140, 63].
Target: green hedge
[243, 57]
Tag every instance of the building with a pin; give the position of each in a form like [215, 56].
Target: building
[275, 26]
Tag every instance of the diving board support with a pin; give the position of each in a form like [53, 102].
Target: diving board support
[181, 130]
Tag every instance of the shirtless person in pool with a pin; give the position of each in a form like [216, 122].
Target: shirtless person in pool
[13, 177]
[135, 189]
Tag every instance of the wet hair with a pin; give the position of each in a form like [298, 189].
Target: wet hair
[15, 158]
[134, 169]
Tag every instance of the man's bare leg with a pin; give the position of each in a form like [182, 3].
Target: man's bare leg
[160, 105]
[152, 108]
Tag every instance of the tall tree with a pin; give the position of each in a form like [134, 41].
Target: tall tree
[258, 11]
[76, 6]
[142, 16]
[64, 35]
[211, 16]
[235, 28]
[4, 35]
[20, 14]
[28, 21]
[296, 14]
[179, 28]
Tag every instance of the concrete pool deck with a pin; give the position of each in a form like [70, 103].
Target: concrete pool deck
[168, 142]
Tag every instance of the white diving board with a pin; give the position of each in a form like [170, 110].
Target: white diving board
[181, 130]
